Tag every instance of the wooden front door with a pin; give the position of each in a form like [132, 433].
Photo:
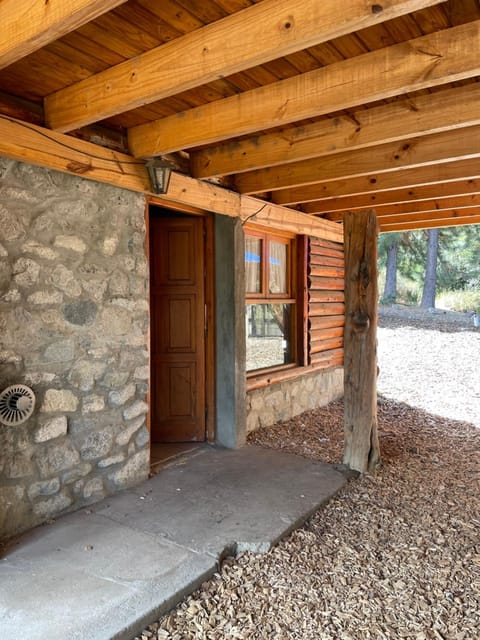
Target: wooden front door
[178, 327]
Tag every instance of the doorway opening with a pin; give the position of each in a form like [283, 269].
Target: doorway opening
[180, 337]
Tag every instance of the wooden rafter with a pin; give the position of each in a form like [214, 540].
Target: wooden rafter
[413, 116]
[407, 195]
[400, 211]
[28, 25]
[432, 206]
[414, 152]
[262, 32]
[374, 183]
[444, 214]
[431, 224]
[438, 58]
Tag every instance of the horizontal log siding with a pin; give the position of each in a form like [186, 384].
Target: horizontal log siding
[326, 308]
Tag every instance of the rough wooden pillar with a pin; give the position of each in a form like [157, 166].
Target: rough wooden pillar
[362, 451]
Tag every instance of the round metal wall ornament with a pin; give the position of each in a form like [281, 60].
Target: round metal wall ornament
[16, 405]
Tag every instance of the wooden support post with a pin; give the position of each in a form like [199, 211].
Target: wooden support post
[362, 451]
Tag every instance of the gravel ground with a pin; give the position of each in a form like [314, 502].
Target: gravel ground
[431, 361]
[391, 556]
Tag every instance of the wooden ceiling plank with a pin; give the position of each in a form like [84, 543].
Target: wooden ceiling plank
[406, 195]
[435, 59]
[414, 152]
[263, 32]
[431, 224]
[436, 174]
[414, 116]
[29, 25]
[461, 11]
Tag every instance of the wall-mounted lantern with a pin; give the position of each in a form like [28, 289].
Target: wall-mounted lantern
[159, 173]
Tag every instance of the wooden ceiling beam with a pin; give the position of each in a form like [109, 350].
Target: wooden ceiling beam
[412, 208]
[434, 59]
[45, 148]
[40, 146]
[426, 206]
[270, 215]
[413, 116]
[374, 183]
[28, 25]
[445, 214]
[453, 221]
[257, 34]
[430, 150]
[456, 189]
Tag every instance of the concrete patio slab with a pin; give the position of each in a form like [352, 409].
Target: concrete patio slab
[103, 573]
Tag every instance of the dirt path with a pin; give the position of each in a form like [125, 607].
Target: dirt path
[392, 556]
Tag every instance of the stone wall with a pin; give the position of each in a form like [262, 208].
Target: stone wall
[279, 402]
[73, 326]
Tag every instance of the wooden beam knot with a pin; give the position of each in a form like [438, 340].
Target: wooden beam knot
[79, 167]
[360, 322]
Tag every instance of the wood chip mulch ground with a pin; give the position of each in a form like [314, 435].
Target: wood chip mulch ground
[391, 556]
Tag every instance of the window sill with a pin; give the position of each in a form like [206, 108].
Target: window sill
[265, 379]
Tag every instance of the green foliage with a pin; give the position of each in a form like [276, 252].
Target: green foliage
[458, 267]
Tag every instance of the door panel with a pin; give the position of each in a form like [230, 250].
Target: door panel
[178, 334]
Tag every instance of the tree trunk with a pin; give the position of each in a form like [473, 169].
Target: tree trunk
[362, 451]
[430, 282]
[390, 290]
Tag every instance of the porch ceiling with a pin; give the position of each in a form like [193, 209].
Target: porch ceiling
[323, 107]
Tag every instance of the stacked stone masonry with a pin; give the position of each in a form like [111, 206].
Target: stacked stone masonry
[282, 401]
[73, 326]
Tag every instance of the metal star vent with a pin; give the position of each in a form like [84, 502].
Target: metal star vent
[16, 404]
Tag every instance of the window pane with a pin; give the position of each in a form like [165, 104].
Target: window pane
[268, 335]
[253, 264]
[278, 268]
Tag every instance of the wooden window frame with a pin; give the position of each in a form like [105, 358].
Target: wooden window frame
[295, 295]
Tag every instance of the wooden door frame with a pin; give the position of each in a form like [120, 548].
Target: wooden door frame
[209, 285]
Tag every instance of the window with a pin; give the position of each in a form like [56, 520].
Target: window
[270, 300]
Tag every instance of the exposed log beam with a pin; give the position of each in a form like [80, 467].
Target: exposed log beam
[434, 59]
[39, 146]
[253, 210]
[409, 208]
[431, 224]
[450, 171]
[415, 152]
[397, 196]
[415, 116]
[447, 214]
[457, 202]
[262, 32]
[28, 25]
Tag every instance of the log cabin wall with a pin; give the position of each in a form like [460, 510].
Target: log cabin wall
[320, 380]
[326, 303]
